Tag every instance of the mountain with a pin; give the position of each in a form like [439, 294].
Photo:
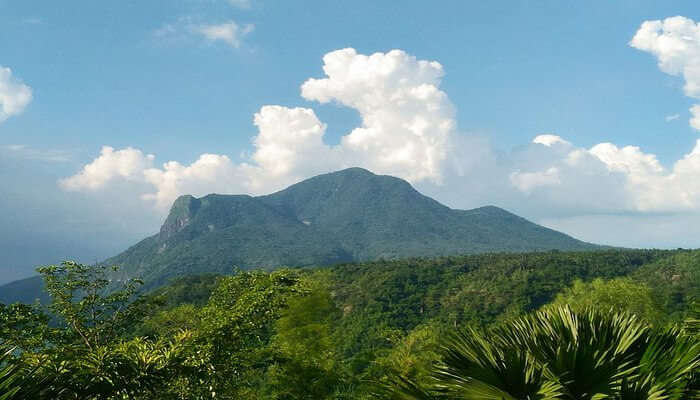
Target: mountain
[345, 216]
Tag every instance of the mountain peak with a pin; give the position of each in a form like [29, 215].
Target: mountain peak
[352, 171]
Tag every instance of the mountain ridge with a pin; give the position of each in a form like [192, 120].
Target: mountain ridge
[345, 216]
[338, 217]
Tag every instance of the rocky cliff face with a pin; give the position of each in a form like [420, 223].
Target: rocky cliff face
[181, 214]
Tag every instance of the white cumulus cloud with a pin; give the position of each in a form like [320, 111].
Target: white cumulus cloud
[128, 164]
[14, 95]
[211, 173]
[407, 120]
[289, 144]
[626, 178]
[695, 117]
[549, 140]
[527, 181]
[675, 42]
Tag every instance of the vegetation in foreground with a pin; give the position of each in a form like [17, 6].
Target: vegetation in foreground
[557, 353]
[594, 325]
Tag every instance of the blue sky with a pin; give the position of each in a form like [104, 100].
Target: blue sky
[148, 75]
[514, 69]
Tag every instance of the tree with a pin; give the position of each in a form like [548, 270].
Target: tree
[306, 365]
[91, 306]
[232, 342]
[413, 355]
[169, 322]
[85, 356]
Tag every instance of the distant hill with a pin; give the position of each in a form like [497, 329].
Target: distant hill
[26, 290]
[346, 216]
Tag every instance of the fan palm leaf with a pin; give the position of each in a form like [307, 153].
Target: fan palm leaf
[476, 368]
[588, 353]
[557, 353]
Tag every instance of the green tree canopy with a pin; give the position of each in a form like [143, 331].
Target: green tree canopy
[619, 294]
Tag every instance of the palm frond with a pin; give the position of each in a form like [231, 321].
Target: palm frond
[476, 368]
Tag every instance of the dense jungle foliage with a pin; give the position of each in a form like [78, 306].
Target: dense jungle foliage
[613, 324]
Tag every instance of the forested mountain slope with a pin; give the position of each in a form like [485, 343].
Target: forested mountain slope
[346, 216]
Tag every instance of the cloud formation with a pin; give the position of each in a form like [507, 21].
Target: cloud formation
[15, 96]
[127, 164]
[407, 120]
[408, 129]
[675, 42]
[626, 179]
[407, 124]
